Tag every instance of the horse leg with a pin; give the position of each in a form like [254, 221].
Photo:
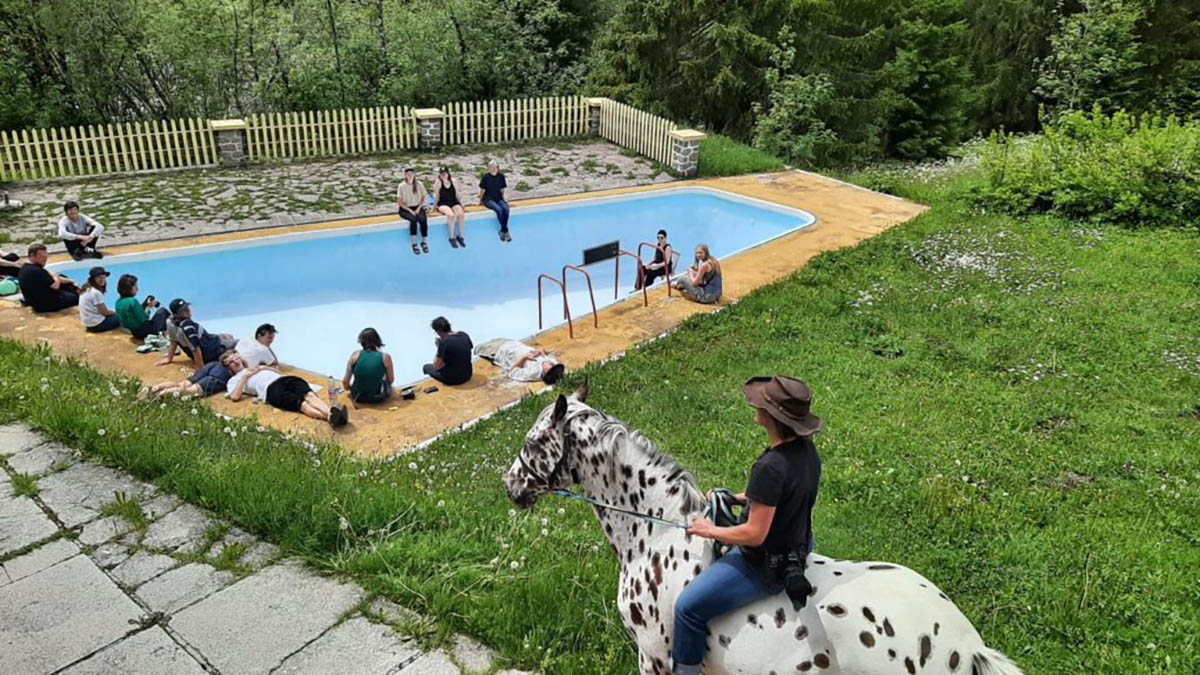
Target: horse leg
[649, 664]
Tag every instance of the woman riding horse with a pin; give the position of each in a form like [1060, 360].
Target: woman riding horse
[775, 539]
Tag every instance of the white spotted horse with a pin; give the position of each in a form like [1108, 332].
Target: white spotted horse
[863, 618]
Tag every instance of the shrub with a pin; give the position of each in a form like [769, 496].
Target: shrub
[723, 156]
[1122, 169]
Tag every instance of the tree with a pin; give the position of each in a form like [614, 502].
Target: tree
[1093, 58]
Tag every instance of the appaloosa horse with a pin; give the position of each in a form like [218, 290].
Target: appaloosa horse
[863, 618]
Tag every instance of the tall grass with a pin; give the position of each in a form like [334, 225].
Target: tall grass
[723, 156]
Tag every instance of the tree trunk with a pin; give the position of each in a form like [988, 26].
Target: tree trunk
[384, 67]
[337, 52]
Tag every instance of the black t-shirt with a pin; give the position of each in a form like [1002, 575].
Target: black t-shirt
[493, 186]
[787, 477]
[455, 352]
[35, 282]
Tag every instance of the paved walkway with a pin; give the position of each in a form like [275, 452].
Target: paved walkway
[152, 206]
[101, 573]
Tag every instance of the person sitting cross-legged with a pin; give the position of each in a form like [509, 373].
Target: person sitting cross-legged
[79, 233]
[133, 314]
[521, 362]
[95, 316]
[43, 290]
[209, 380]
[369, 372]
[702, 281]
[285, 392]
[452, 365]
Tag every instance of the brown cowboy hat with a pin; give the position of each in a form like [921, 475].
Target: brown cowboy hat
[787, 400]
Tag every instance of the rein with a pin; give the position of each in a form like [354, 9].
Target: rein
[635, 514]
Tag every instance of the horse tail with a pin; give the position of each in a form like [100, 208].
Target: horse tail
[988, 661]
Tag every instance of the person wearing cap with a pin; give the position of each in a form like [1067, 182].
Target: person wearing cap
[79, 233]
[95, 316]
[190, 337]
[447, 202]
[43, 290]
[258, 352]
[775, 538]
[134, 315]
[491, 195]
[410, 203]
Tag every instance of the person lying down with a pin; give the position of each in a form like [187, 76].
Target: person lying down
[521, 362]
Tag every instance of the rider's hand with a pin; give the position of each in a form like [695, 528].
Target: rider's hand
[702, 527]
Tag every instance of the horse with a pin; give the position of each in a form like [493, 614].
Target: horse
[862, 618]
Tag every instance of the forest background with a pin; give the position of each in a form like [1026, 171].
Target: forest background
[816, 82]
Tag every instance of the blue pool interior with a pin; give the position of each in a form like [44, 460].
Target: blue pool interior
[321, 290]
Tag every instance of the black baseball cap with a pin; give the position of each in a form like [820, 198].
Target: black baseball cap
[178, 305]
[98, 272]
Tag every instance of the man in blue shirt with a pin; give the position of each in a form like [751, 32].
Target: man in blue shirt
[190, 337]
[491, 195]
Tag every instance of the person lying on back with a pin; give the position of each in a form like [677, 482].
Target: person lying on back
[285, 392]
[190, 337]
[521, 362]
[452, 365]
[209, 380]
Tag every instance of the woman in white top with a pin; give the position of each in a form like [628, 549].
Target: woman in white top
[286, 392]
[521, 362]
[95, 316]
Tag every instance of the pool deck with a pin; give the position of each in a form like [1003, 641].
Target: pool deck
[846, 215]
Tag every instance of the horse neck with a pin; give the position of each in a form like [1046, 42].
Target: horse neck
[618, 466]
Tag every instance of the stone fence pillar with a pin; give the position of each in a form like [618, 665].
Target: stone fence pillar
[685, 151]
[231, 141]
[429, 128]
[593, 105]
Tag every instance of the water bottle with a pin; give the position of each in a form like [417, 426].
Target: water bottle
[332, 386]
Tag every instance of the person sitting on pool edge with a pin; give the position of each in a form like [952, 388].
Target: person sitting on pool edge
[702, 281]
[369, 372]
[491, 195]
[452, 365]
[43, 290]
[521, 362]
[285, 392]
[79, 233]
[447, 202]
[95, 316]
[258, 352]
[660, 267]
[190, 337]
[410, 204]
[207, 381]
[132, 313]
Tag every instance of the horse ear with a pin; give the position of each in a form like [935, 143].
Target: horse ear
[560, 409]
[581, 393]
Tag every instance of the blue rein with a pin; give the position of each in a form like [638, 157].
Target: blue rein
[635, 514]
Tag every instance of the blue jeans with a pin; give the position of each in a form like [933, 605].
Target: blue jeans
[724, 586]
[501, 209]
[110, 322]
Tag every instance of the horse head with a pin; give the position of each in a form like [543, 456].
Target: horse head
[542, 465]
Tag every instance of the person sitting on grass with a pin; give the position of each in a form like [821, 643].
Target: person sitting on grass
[660, 267]
[285, 392]
[190, 337]
[447, 202]
[258, 352]
[452, 365]
[491, 195]
[43, 290]
[79, 233]
[702, 281]
[210, 379]
[410, 203]
[369, 372]
[133, 314]
[95, 316]
[521, 362]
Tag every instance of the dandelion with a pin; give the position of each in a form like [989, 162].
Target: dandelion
[545, 532]
[512, 513]
[185, 432]
[545, 522]
[343, 524]
[412, 466]
[562, 511]
[260, 428]
[441, 503]
[233, 434]
[101, 432]
[195, 411]
[514, 564]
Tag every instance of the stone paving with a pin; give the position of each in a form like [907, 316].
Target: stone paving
[152, 206]
[101, 573]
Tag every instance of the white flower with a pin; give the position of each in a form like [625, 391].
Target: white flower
[260, 428]
[233, 434]
[226, 430]
[343, 524]
[185, 432]
[512, 513]
[441, 503]
[514, 564]
[545, 532]
[101, 432]
[545, 521]
[162, 405]
[412, 466]
[494, 561]
[562, 512]
[195, 412]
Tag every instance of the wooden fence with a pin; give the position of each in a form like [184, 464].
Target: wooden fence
[631, 128]
[108, 148]
[330, 132]
[514, 120]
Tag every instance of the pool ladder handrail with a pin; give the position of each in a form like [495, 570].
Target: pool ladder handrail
[566, 307]
[670, 271]
[641, 270]
[591, 295]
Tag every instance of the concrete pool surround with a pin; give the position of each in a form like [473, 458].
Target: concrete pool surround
[843, 216]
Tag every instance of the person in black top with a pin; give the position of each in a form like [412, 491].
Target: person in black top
[453, 362]
[445, 192]
[491, 195]
[43, 290]
[780, 498]
[661, 267]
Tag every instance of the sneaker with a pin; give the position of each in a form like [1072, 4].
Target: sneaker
[502, 235]
[78, 255]
[507, 236]
[461, 242]
[338, 416]
[453, 243]
[92, 253]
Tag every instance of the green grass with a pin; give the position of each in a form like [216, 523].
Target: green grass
[1009, 411]
[723, 156]
[24, 486]
[127, 508]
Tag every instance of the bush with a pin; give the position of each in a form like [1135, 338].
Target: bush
[723, 156]
[1121, 169]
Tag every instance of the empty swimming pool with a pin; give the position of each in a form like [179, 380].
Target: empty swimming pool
[320, 289]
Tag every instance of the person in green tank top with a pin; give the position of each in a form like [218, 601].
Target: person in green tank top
[132, 314]
[369, 372]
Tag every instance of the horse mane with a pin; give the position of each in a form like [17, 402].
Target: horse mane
[612, 430]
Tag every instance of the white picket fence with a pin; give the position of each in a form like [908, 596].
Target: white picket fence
[514, 120]
[639, 131]
[330, 132]
[107, 148]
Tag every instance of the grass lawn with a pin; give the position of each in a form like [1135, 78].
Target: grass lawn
[1012, 407]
